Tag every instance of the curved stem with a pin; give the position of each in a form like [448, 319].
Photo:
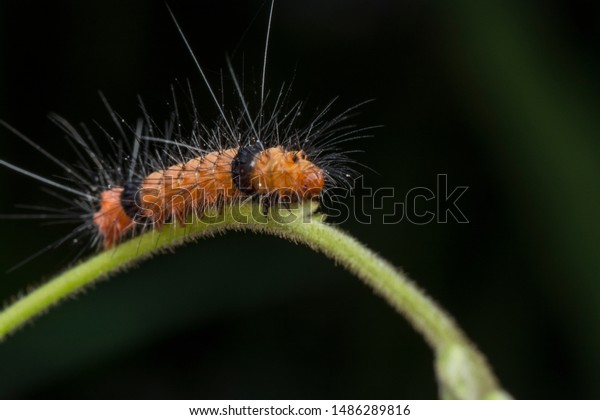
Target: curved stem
[462, 371]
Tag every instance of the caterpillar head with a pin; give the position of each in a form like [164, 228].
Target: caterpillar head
[310, 177]
[288, 174]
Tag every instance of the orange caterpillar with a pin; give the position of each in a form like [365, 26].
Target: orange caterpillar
[139, 187]
[207, 181]
[273, 155]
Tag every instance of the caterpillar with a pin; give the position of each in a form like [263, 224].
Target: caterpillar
[207, 181]
[181, 168]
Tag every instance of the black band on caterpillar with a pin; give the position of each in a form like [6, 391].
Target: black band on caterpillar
[242, 165]
[130, 199]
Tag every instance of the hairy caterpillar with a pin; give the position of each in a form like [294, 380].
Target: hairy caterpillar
[161, 172]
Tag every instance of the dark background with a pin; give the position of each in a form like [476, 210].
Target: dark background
[500, 95]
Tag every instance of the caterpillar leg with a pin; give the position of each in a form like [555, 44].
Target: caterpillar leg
[271, 200]
[266, 203]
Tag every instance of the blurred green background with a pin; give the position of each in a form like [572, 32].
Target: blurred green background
[500, 95]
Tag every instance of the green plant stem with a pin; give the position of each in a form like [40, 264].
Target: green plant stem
[461, 370]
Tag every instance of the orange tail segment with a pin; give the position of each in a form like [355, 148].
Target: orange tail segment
[111, 219]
